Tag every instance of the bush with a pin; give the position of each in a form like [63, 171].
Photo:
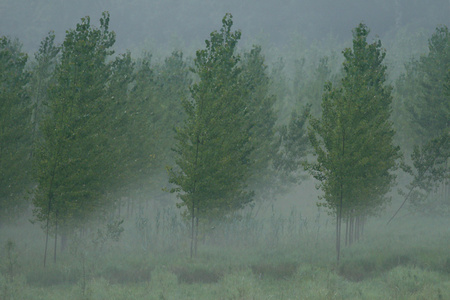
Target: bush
[163, 283]
[196, 274]
[357, 270]
[404, 281]
[12, 287]
[274, 271]
[53, 275]
[240, 285]
[119, 274]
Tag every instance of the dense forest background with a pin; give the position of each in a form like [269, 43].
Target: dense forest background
[177, 125]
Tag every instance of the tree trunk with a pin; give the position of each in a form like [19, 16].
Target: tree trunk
[346, 231]
[192, 227]
[196, 235]
[56, 236]
[337, 237]
[351, 230]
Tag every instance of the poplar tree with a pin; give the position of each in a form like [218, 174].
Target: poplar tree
[72, 162]
[213, 149]
[15, 128]
[353, 139]
[261, 117]
[425, 92]
[42, 78]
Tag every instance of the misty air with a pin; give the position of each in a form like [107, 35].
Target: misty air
[224, 149]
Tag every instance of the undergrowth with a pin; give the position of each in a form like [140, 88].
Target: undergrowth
[403, 262]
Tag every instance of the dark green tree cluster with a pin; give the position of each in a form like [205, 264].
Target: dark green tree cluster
[102, 125]
[87, 128]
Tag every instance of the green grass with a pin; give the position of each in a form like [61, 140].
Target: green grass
[407, 260]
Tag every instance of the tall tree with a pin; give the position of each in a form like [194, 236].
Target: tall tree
[153, 110]
[420, 92]
[261, 117]
[42, 78]
[425, 92]
[430, 109]
[15, 129]
[73, 163]
[353, 139]
[213, 146]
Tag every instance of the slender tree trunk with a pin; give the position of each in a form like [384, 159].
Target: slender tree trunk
[46, 238]
[352, 223]
[338, 229]
[362, 226]
[192, 227]
[63, 240]
[357, 228]
[196, 234]
[337, 236]
[56, 235]
[346, 230]
[339, 221]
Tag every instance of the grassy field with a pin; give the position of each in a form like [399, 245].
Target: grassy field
[278, 255]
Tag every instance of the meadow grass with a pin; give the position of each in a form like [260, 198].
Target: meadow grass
[289, 258]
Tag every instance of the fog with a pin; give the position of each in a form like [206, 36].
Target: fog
[186, 24]
[140, 240]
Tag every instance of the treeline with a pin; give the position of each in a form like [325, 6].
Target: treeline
[82, 128]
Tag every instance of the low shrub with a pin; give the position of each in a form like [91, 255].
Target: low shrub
[446, 266]
[163, 283]
[240, 285]
[53, 275]
[405, 281]
[119, 274]
[395, 261]
[357, 270]
[274, 271]
[195, 274]
[12, 287]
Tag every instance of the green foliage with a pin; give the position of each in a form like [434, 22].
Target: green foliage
[73, 159]
[430, 172]
[196, 274]
[261, 118]
[241, 285]
[424, 89]
[15, 129]
[293, 146]
[274, 271]
[353, 138]
[213, 145]
[42, 78]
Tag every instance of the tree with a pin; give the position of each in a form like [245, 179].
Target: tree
[293, 146]
[430, 170]
[421, 93]
[430, 109]
[153, 109]
[213, 148]
[15, 129]
[42, 78]
[261, 118]
[72, 162]
[353, 139]
[425, 91]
